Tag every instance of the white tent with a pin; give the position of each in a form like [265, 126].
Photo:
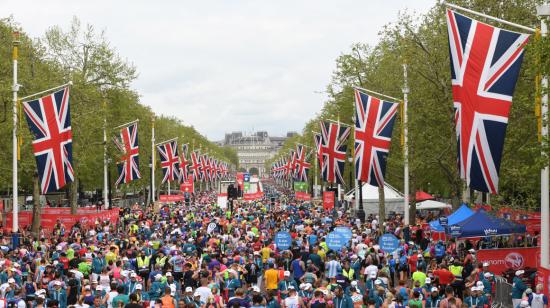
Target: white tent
[432, 205]
[393, 199]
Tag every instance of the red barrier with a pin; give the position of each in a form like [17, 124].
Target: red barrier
[188, 185]
[503, 259]
[543, 276]
[253, 196]
[50, 216]
[171, 198]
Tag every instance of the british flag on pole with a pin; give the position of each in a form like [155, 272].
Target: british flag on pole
[333, 147]
[184, 162]
[302, 166]
[485, 64]
[127, 144]
[374, 119]
[195, 167]
[169, 160]
[49, 121]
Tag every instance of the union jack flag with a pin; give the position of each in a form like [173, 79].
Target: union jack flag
[49, 120]
[127, 143]
[184, 162]
[169, 161]
[223, 170]
[205, 167]
[374, 119]
[302, 166]
[333, 146]
[196, 168]
[318, 149]
[485, 63]
[213, 169]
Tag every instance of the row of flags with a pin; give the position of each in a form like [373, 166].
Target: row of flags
[294, 166]
[49, 121]
[176, 166]
[485, 64]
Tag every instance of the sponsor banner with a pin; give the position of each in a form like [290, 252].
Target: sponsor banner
[504, 259]
[283, 240]
[253, 196]
[300, 195]
[335, 241]
[300, 186]
[188, 185]
[532, 225]
[240, 180]
[328, 200]
[48, 220]
[388, 243]
[171, 198]
[543, 277]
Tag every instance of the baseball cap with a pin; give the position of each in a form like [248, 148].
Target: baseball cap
[309, 286]
[474, 289]
[354, 283]
[428, 280]
[528, 291]
[479, 284]
[291, 288]
[524, 303]
[188, 289]
[133, 275]
[372, 275]
[434, 289]
[168, 274]
[138, 287]
[196, 294]
[11, 280]
[520, 272]
[287, 274]
[485, 264]
[255, 289]
[487, 275]
[471, 250]
[378, 281]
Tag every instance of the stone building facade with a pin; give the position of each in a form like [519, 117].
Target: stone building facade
[254, 149]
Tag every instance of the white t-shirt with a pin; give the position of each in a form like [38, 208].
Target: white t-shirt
[371, 269]
[112, 295]
[292, 302]
[205, 292]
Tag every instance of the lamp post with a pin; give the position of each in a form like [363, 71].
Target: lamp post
[543, 12]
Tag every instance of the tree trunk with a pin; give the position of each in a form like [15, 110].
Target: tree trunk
[412, 202]
[36, 207]
[381, 208]
[73, 196]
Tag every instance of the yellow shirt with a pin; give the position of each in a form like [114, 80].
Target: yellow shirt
[266, 251]
[271, 279]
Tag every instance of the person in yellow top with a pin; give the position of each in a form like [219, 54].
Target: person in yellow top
[266, 253]
[111, 255]
[271, 278]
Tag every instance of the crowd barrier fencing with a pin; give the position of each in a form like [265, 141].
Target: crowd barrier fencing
[503, 293]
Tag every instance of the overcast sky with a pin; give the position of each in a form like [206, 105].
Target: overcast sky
[226, 65]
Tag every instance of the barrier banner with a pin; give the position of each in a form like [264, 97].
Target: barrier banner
[300, 195]
[171, 198]
[188, 185]
[48, 219]
[240, 180]
[328, 200]
[543, 276]
[253, 196]
[503, 259]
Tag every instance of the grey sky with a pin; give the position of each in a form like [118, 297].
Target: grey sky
[227, 65]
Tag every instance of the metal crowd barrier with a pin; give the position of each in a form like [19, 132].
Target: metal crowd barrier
[503, 293]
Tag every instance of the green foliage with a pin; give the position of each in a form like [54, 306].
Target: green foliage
[100, 94]
[421, 42]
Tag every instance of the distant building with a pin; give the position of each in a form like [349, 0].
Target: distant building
[254, 149]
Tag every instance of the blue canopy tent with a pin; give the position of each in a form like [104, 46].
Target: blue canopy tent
[457, 216]
[481, 224]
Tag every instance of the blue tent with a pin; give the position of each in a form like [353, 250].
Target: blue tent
[481, 224]
[457, 216]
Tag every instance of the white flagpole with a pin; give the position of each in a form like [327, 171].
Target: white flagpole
[405, 147]
[105, 177]
[153, 160]
[543, 11]
[15, 89]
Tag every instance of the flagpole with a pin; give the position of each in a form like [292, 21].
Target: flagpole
[502, 21]
[405, 147]
[15, 89]
[153, 159]
[543, 11]
[105, 177]
[377, 93]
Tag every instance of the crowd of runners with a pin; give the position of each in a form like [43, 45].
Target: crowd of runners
[199, 255]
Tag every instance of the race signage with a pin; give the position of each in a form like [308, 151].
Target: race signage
[188, 185]
[388, 243]
[455, 230]
[443, 221]
[328, 200]
[503, 259]
[335, 241]
[345, 232]
[283, 240]
[211, 227]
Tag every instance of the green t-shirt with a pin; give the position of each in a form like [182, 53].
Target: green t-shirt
[70, 254]
[84, 268]
[419, 276]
